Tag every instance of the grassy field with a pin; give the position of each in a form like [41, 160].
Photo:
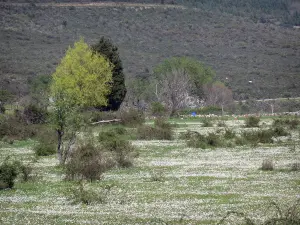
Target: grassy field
[169, 183]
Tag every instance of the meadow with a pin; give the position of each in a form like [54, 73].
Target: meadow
[169, 182]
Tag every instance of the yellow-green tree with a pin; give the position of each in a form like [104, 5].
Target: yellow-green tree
[82, 79]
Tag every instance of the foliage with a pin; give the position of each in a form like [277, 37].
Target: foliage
[107, 49]
[39, 90]
[88, 162]
[290, 215]
[46, 143]
[122, 150]
[35, 115]
[162, 130]
[132, 117]
[211, 140]
[267, 164]
[158, 109]
[179, 77]
[12, 126]
[252, 121]
[206, 122]
[8, 173]
[9, 170]
[291, 123]
[83, 194]
[82, 79]
[217, 94]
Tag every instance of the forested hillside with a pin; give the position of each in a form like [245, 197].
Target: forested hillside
[241, 40]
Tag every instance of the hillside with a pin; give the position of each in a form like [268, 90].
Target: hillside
[33, 38]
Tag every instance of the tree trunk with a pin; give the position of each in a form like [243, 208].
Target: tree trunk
[59, 146]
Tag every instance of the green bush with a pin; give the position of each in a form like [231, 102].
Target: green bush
[12, 127]
[201, 141]
[260, 136]
[46, 143]
[158, 109]
[252, 121]
[206, 122]
[229, 134]
[87, 196]
[162, 130]
[132, 117]
[87, 162]
[9, 171]
[290, 123]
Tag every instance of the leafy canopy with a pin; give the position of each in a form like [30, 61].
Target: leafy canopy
[82, 78]
[106, 48]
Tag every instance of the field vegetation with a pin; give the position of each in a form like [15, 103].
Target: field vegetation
[166, 181]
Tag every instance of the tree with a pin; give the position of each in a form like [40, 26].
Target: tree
[179, 78]
[217, 94]
[82, 79]
[118, 91]
[39, 91]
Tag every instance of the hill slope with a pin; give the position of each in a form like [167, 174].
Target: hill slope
[33, 38]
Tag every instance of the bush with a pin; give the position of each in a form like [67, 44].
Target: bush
[229, 134]
[252, 121]
[132, 117]
[87, 196]
[2, 109]
[201, 141]
[260, 136]
[207, 122]
[87, 162]
[47, 143]
[34, 115]
[13, 127]
[290, 123]
[158, 109]
[162, 130]
[123, 151]
[267, 164]
[9, 171]
[296, 166]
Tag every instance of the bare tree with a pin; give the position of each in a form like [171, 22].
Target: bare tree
[217, 94]
[173, 89]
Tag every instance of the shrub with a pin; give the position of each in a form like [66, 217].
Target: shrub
[207, 122]
[221, 123]
[291, 123]
[295, 166]
[280, 131]
[34, 115]
[87, 162]
[201, 141]
[13, 127]
[158, 109]
[132, 117]
[229, 134]
[252, 121]
[47, 143]
[9, 171]
[87, 196]
[162, 130]
[267, 164]
[2, 108]
[260, 136]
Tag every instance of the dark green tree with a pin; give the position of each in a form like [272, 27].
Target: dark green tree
[106, 48]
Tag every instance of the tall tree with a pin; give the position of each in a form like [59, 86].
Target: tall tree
[179, 78]
[106, 48]
[82, 79]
